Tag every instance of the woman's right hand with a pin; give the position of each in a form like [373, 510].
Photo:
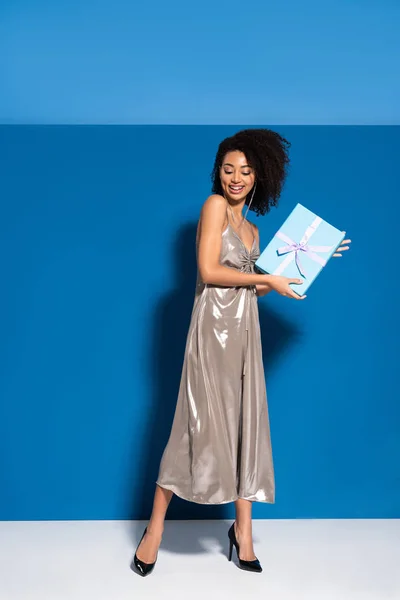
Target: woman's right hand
[281, 285]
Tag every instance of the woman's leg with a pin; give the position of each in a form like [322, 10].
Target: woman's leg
[148, 548]
[243, 529]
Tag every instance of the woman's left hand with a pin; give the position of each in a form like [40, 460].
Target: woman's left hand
[343, 247]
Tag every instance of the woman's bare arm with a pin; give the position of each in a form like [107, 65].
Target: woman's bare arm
[262, 288]
[211, 224]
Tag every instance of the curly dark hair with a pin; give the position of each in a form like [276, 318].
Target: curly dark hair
[267, 152]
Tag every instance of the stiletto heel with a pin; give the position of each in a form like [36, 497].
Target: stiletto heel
[230, 549]
[246, 565]
[142, 567]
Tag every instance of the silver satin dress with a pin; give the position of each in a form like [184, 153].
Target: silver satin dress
[219, 448]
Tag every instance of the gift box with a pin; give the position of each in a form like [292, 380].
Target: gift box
[301, 248]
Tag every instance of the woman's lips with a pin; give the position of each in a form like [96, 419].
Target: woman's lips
[236, 189]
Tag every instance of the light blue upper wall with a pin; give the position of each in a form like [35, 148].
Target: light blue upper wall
[211, 62]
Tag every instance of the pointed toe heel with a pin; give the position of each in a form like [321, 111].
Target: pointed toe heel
[246, 565]
[143, 568]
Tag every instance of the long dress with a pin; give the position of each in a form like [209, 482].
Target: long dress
[219, 448]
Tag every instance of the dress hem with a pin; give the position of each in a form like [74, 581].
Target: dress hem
[178, 493]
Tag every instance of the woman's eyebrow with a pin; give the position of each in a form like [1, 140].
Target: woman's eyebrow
[231, 165]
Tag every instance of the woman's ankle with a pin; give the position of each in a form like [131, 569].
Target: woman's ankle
[155, 528]
[243, 528]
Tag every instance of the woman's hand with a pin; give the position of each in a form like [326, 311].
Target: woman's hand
[276, 282]
[281, 285]
[342, 248]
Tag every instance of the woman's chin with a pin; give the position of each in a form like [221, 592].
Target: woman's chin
[236, 198]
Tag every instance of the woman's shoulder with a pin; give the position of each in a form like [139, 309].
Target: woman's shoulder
[253, 225]
[214, 204]
[215, 200]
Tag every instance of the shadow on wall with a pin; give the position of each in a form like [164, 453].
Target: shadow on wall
[171, 324]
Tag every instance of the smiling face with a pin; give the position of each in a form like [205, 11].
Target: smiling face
[237, 177]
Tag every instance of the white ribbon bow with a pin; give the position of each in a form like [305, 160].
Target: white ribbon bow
[293, 249]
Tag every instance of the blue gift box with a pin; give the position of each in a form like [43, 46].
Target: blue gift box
[301, 248]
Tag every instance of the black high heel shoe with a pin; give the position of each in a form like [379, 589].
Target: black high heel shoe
[142, 567]
[247, 565]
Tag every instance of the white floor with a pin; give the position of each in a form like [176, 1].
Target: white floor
[302, 560]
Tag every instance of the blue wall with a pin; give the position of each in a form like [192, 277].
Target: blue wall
[97, 232]
[97, 244]
[264, 61]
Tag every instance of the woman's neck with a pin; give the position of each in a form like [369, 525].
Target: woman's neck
[236, 213]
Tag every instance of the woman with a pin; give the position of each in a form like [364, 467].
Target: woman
[219, 449]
